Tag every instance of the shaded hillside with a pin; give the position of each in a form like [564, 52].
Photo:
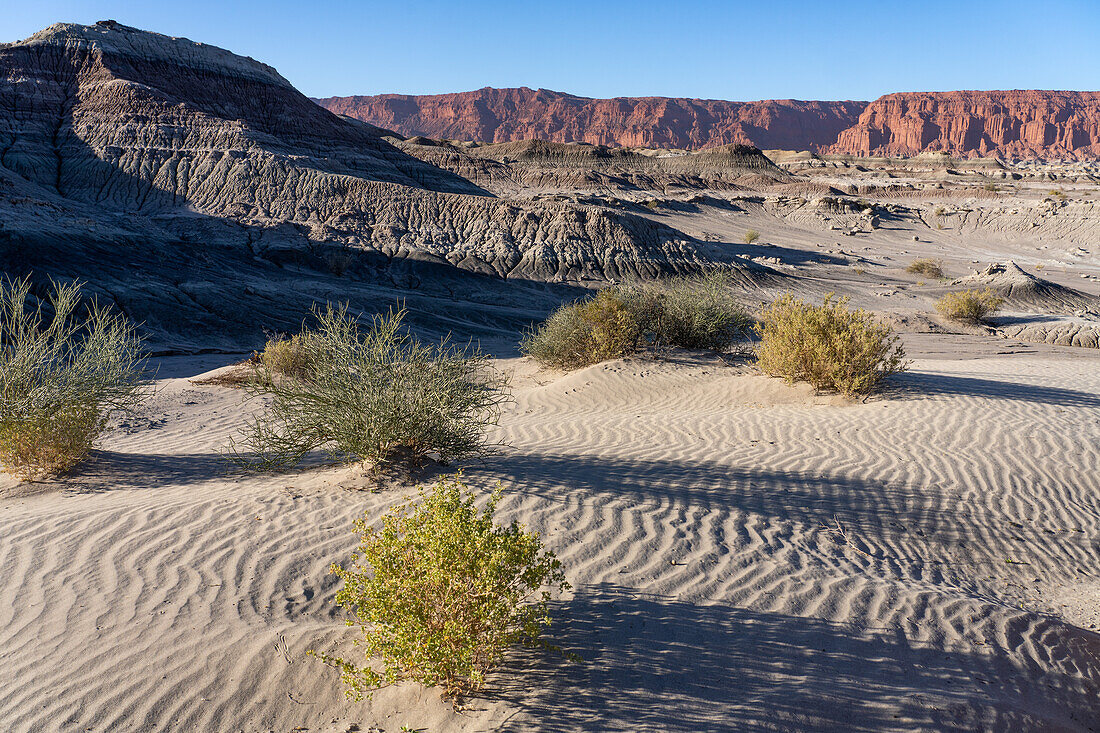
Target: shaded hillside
[181, 180]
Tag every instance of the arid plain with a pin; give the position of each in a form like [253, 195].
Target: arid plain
[745, 554]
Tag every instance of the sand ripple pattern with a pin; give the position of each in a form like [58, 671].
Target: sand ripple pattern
[745, 556]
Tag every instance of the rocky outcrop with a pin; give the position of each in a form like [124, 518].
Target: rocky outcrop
[1012, 125]
[168, 173]
[508, 115]
[1009, 124]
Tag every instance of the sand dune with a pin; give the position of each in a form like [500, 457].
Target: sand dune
[745, 556]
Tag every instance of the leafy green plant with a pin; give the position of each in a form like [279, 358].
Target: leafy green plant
[829, 345]
[751, 236]
[440, 592]
[60, 377]
[584, 333]
[969, 306]
[927, 267]
[378, 395]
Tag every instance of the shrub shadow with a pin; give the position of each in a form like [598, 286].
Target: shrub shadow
[660, 664]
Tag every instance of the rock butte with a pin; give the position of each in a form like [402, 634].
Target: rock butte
[1055, 125]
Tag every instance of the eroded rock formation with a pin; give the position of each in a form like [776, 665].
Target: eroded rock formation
[1052, 125]
[168, 172]
[507, 115]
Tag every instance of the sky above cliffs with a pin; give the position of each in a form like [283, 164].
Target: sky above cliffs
[768, 49]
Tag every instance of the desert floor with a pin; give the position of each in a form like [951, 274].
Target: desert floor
[745, 555]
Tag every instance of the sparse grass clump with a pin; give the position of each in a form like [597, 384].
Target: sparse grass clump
[60, 377]
[991, 186]
[377, 395]
[584, 333]
[287, 357]
[969, 306]
[689, 312]
[829, 345]
[938, 211]
[751, 236]
[685, 312]
[440, 592]
[927, 267]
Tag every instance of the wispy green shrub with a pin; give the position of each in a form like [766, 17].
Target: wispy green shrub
[830, 346]
[287, 357]
[751, 236]
[691, 313]
[61, 376]
[376, 394]
[969, 306]
[440, 592]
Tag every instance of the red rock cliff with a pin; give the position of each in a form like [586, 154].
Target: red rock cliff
[1008, 124]
[504, 115]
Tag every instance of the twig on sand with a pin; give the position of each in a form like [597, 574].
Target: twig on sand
[839, 530]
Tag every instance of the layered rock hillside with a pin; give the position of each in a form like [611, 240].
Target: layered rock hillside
[1012, 125]
[195, 187]
[508, 115]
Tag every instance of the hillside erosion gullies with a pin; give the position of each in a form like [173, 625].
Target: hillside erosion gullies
[1012, 125]
[156, 167]
[509, 115]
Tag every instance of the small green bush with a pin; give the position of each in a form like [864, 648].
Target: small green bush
[927, 267]
[689, 312]
[751, 236]
[440, 592]
[377, 395]
[969, 306]
[584, 333]
[829, 345]
[59, 381]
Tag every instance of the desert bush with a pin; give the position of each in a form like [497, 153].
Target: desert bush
[584, 333]
[751, 236]
[61, 379]
[288, 357]
[440, 592]
[377, 395]
[829, 345]
[970, 306]
[938, 211]
[692, 313]
[991, 186]
[927, 267]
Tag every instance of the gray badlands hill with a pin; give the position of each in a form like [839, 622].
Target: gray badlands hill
[204, 195]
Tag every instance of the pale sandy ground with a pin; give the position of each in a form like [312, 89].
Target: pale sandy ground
[696, 508]
[745, 555]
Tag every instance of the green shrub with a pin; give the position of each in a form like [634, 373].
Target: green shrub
[59, 381]
[751, 236]
[828, 345]
[377, 395]
[584, 333]
[691, 313]
[970, 306]
[440, 592]
[927, 267]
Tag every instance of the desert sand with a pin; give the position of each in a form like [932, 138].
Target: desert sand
[745, 555]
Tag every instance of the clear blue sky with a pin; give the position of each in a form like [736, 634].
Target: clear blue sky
[764, 49]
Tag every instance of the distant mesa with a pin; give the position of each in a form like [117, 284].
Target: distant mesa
[1012, 125]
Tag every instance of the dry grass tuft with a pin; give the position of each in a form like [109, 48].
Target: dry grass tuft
[927, 267]
[751, 236]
